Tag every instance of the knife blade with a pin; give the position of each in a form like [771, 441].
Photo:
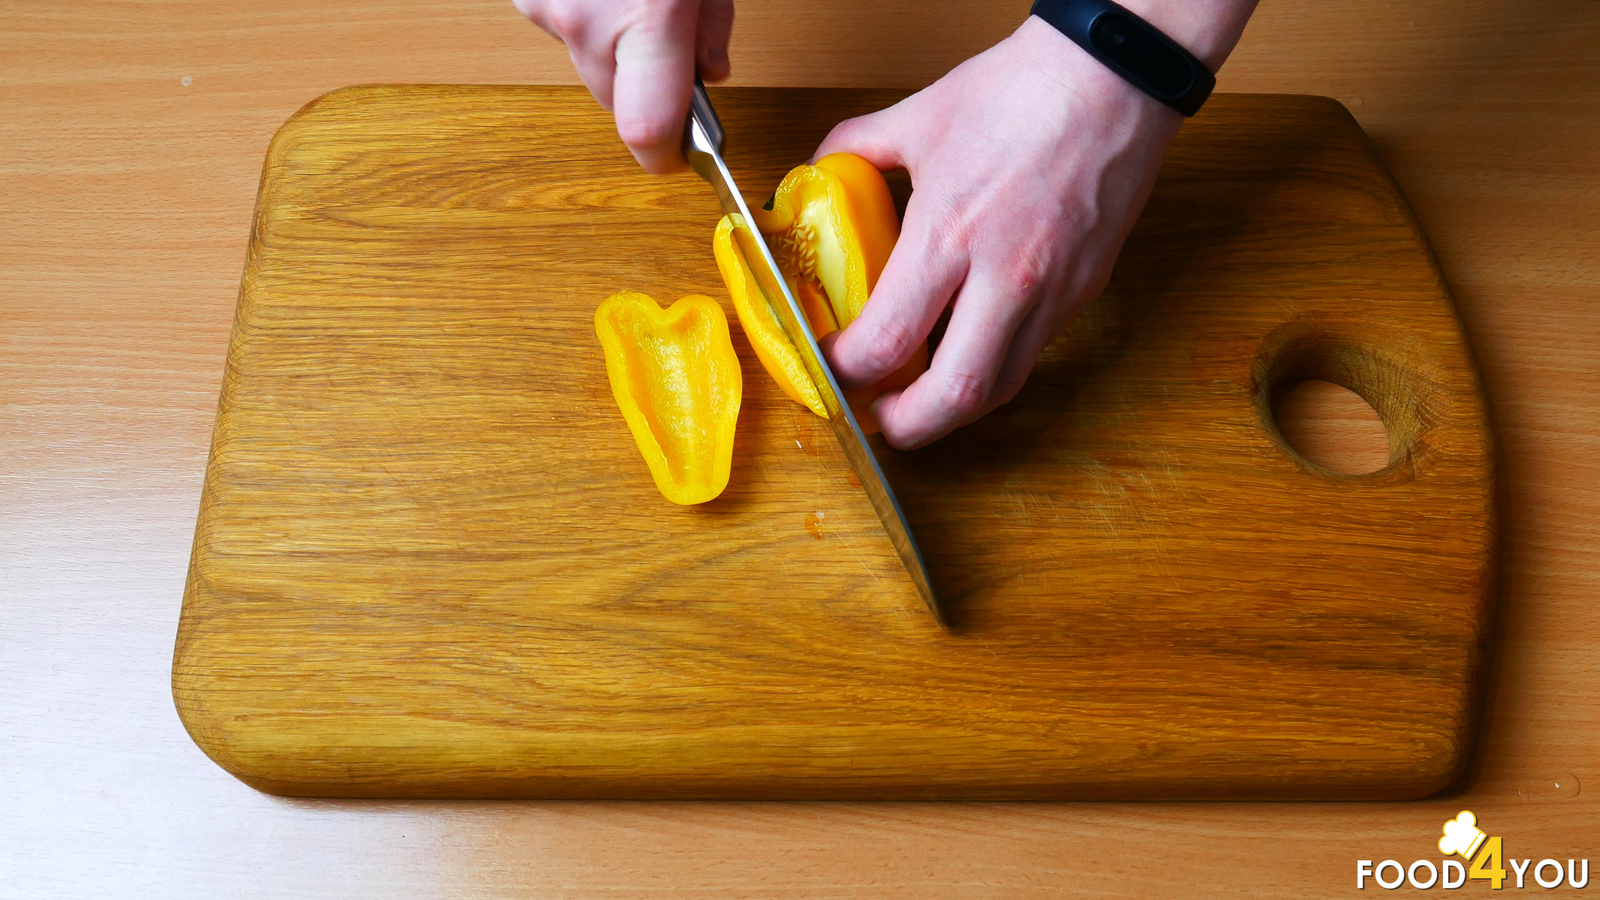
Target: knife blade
[703, 145]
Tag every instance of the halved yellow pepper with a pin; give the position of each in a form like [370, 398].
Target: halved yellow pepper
[831, 227]
[676, 378]
[760, 321]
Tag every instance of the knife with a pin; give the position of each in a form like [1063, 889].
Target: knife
[703, 142]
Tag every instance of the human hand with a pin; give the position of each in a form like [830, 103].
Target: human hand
[1029, 165]
[639, 59]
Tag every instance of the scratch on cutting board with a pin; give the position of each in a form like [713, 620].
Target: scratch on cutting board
[1141, 506]
[877, 577]
[785, 565]
[1023, 512]
[1048, 501]
[1031, 504]
[1113, 491]
[418, 499]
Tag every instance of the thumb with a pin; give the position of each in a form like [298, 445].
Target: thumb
[873, 137]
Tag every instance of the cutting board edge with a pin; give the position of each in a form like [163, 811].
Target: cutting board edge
[1416, 784]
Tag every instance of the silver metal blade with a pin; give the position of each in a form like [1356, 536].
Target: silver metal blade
[703, 146]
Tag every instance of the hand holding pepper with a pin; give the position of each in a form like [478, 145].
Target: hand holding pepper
[1029, 164]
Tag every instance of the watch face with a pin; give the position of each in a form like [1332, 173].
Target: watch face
[1141, 54]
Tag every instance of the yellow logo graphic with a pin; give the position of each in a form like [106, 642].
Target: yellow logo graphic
[1482, 859]
[1461, 835]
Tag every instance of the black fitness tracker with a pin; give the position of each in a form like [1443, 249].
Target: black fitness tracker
[1134, 49]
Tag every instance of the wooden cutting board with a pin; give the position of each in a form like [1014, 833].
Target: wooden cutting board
[430, 562]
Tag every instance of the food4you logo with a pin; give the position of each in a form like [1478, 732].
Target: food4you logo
[1463, 838]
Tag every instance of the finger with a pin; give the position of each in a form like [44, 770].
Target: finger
[537, 13]
[873, 137]
[1035, 333]
[923, 272]
[958, 386]
[1041, 326]
[594, 59]
[655, 75]
[598, 71]
[712, 37]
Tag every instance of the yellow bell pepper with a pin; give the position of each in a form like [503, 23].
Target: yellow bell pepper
[831, 227]
[676, 378]
[760, 321]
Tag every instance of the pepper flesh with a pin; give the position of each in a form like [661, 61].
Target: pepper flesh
[677, 381]
[831, 227]
[833, 224]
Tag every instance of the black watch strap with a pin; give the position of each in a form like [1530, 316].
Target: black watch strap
[1134, 49]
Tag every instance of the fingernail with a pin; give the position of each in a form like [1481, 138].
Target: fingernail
[826, 342]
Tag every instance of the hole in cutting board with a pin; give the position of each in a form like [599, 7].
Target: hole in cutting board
[1331, 426]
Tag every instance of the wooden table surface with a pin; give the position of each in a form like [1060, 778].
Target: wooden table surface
[131, 138]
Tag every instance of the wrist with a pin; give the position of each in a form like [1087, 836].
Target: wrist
[1209, 29]
[1038, 47]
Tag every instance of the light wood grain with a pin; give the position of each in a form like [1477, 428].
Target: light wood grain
[125, 202]
[429, 561]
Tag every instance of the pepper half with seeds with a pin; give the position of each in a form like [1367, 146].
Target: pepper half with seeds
[831, 227]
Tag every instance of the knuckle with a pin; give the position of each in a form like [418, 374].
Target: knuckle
[937, 223]
[1021, 265]
[890, 344]
[962, 393]
[645, 131]
[563, 19]
[953, 234]
[1023, 273]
